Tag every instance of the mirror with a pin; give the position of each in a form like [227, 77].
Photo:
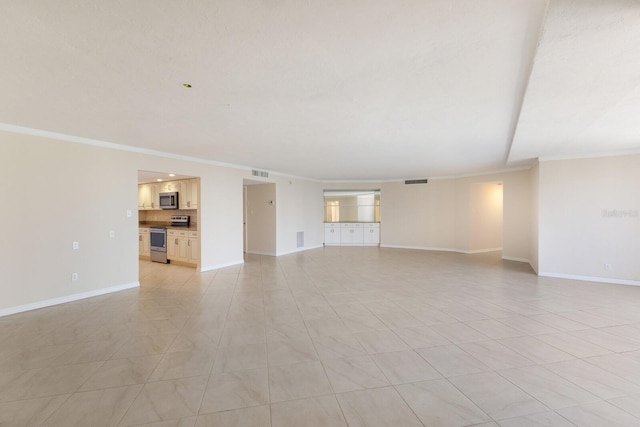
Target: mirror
[352, 205]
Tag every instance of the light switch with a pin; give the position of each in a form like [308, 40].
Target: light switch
[76, 245]
[112, 234]
[129, 213]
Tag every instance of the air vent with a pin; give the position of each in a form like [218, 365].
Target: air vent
[300, 237]
[261, 174]
[416, 181]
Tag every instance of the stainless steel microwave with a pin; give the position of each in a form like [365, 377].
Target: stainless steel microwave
[169, 200]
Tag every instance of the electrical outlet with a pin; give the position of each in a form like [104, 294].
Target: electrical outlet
[112, 234]
[74, 277]
[75, 245]
[607, 266]
[129, 213]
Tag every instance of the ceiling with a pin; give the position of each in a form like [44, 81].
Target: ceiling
[331, 90]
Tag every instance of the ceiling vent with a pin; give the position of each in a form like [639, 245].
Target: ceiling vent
[261, 174]
[416, 181]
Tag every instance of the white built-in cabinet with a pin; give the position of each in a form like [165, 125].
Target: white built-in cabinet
[188, 189]
[351, 234]
[183, 246]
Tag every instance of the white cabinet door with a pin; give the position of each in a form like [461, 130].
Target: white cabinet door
[332, 234]
[188, 194]
[372, 234]
[351, 234]
[193, 248]
[144, 243]
[148, 197]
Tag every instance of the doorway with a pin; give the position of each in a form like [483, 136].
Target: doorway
[259, 217]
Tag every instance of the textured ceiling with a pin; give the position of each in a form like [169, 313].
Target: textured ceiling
[330, 90]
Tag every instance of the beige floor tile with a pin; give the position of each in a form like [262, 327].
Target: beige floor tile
[421, 337]
[297, 381]
[438, 403]
[48, 381]
[95, 408]
[259, 416]
[338, 346]
[575, 346]
[240, 358]
[496, 396]
[180, 422]
[166, 400]
[236, 390]
[618, 364]
[376, 407]
[451, 360]
[495, 355]
[320, 411]
[183, 364]
[291, 351]
[293, 329]
[595, 380]
[614, 343]
[590, 319]
[548, 387]
[537, 420]
[494, 329]
[598, 414]
[527, 325]
[326, 326]
[631, 404]
[536, 350]
[354, 373]
[559, 322]
[459, 333]
[145, 346]
[31, 412]
[121, 372]
[402, 367]
[380, 341]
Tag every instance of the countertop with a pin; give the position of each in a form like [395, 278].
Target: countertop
[191, 227]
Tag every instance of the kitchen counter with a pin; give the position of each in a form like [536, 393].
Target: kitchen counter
[191, 227]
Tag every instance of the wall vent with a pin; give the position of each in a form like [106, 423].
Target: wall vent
[300, 237]
[261, 174]
[416, 181]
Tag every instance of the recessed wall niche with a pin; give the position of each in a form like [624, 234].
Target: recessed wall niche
[352, 205]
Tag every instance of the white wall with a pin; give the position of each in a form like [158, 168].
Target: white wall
[579, 232]
[261, 219]
[485, 226]
[535, 190]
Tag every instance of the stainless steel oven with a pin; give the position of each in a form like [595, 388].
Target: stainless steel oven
[158, 238]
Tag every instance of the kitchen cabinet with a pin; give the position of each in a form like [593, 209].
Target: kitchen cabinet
[183, 246]
[188, 193]
[352, 233]
[144, 243]
[332, 234]
[169, 186]
[148, 197]
[371, 234]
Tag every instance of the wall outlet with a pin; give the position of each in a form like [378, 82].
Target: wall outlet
[607, 266]
[129, 213]
[112, 234]
[74, 277]
[75, 245]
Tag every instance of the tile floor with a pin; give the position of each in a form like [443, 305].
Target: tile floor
[330, 337]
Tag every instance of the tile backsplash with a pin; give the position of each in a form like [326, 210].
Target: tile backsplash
[165, 215]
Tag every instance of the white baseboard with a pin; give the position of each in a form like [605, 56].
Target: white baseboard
[67, 298]
[511, 258]
[306, 248]
[459, 251]
[590, 278]
[261, 253]
[219, 266]
[420, 248]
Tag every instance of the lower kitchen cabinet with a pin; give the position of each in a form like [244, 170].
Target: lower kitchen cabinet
[144, 243]
[183, 246]
[351, 234]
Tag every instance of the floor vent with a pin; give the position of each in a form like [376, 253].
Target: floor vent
[261, 174]
[416, 181]
[300, 237]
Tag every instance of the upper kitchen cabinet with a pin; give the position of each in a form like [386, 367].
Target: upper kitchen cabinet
[148, 197]
[188, 193]
[169, 186]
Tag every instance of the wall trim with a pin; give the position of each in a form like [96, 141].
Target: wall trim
[219, 266]
[590, 278]
[261, 253]
[306, 248]
[512, 258]
[481, 251]
[67, 298]
[421, 248]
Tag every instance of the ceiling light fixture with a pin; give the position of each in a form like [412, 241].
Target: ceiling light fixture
[172, 174]
[158, 179]
[187, 85]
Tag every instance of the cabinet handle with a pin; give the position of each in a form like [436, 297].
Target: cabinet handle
[176, 241]
[189, 204]
[188, 242]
